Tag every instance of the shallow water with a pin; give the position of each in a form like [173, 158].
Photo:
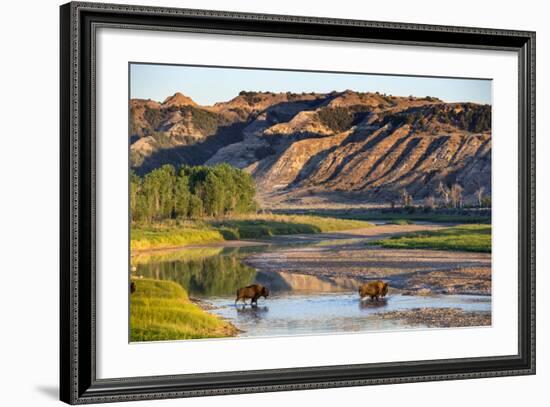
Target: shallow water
[298, 304]
[331, 312]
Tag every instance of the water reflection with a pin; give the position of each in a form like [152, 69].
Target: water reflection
[201, 275]
[284, 282]
[220, 272]
[370, 304]
[297, 304]
[312, 313]
[251, 314]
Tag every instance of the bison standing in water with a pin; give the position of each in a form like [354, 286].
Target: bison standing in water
[374, 289]
[253, 292]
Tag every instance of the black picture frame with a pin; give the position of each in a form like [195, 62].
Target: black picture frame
[78, 382]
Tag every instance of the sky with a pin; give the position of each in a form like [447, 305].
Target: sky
[208, 85]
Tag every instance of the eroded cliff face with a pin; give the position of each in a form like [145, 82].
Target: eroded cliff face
[300, 148]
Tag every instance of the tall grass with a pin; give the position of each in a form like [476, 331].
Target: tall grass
[473, 238]
[260, 226]
[234, 228]
[153, 237]
[400, 216]
[400, 222]
[161, 310]
[163, 256]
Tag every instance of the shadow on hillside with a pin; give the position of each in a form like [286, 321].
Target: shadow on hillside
[199, 153]
[194, 154]
[355, 137]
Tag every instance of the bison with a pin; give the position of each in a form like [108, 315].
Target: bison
[253, 292]
[374, 289]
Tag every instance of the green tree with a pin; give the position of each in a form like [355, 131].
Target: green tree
[182, 195]
[246, 192]
[135, 186]
[229, 196]
[195, 207]
[166, 185]
[213, 195]
[158, 187]
[194, 192]
[148, 200]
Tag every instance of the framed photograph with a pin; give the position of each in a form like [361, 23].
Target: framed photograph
[255, 203]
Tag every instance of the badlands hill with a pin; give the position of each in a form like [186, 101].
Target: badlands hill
[336, 147]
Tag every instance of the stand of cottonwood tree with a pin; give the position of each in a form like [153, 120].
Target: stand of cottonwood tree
[191, 192]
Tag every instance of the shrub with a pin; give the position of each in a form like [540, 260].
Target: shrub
[336, 118]
[153, 117]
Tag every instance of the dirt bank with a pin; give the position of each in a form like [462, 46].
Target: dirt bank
[438, 317]
[345, 255]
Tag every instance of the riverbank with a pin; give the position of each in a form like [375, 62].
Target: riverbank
[349, 256]
[161, 310]
[438, 317]
[472, 238]
[204, 232]
[313, 279]
[414, 214]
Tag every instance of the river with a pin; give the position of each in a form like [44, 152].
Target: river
[313, 282]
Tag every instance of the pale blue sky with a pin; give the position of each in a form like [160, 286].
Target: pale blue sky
[208, 85]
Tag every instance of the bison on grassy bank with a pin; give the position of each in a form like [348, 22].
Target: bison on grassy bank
[252, 292]
[374, 290]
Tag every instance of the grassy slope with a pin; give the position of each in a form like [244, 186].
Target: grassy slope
[427, 217]
[259, 226]
[152, 237]
[474, 238]
[400, 222]
[161, 310]
[242, 227]
[163, 256]
[402, 216]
